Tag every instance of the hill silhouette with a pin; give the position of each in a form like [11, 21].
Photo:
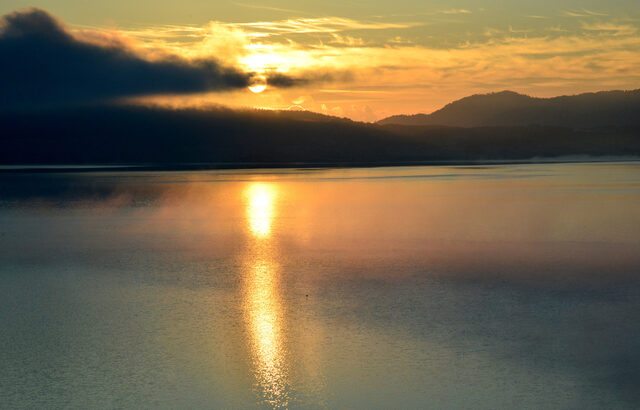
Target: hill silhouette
[507, 108]
[118, 134]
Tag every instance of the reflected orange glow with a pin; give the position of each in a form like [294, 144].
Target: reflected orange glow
[263, 306]
[264, 313]
[260, 198]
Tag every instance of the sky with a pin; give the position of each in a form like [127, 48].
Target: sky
[367, 60]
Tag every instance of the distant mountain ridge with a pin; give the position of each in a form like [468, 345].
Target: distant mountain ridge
[131, 134]
[508, 108]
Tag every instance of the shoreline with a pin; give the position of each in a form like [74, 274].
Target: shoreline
[60, 168]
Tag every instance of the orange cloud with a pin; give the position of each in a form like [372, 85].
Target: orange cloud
[399, 76]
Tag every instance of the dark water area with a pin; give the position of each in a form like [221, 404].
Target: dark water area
[500, 286]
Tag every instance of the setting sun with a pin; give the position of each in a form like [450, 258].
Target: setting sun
[258, 88]
[259, 84]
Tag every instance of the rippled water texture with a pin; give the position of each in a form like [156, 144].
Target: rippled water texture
[514, 286]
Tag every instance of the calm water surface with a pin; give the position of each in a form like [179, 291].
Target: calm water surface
[514, 286]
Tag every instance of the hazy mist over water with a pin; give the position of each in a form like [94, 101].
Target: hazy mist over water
[411, 287]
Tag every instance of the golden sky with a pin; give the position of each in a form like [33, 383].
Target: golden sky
[370, 59]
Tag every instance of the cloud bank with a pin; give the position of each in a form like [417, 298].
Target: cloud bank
[45, 63]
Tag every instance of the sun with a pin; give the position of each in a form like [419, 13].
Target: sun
[257, 88]
[258, 84]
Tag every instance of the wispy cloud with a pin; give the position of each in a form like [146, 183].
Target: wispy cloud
[348, 41]
[594, 13]
[611, 28]
[278, 9]
[424, 13]
[455, 11]
[491, 32]
[320, 25]
[513, 30]
[583, 13]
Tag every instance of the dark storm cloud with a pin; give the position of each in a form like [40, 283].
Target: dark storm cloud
[42, 63]
[285, 81]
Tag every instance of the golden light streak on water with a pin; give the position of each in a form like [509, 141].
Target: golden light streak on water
[260, 208]
[263, 305]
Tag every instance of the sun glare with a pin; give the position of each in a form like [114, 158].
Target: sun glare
[260, 208]
[258, 84]
[258, 88]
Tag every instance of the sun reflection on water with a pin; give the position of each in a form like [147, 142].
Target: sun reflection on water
[263, 304]
[260, 207]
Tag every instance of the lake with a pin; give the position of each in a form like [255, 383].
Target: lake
[479, 287]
